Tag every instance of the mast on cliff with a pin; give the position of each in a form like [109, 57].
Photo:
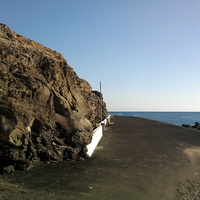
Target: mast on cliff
[100, 103]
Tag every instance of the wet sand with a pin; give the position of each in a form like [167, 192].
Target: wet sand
[137, 159]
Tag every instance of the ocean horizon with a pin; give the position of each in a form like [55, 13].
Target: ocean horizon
[175, 118]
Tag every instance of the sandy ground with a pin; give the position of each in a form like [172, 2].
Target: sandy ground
[137, 159]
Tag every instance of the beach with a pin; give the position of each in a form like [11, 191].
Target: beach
[137, 159]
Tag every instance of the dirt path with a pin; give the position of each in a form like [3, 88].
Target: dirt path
[137, 159]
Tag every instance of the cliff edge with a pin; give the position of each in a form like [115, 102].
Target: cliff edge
[47, 113]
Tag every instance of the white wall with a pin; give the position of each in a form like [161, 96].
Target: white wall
[97, 135]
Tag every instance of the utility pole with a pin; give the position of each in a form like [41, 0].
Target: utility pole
[100, 104]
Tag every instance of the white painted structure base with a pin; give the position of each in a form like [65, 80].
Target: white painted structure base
[97, 135]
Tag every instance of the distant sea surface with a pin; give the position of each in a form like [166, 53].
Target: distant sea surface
[176, 118]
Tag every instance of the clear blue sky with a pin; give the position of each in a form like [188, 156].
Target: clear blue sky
[145, 52]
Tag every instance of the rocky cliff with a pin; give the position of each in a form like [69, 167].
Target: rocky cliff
[47, 113]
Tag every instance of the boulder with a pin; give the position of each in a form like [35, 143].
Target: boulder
[47, 113]
[186, 126]
[196, 126]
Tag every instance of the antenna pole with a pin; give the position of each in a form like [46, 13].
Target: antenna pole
[100, 103]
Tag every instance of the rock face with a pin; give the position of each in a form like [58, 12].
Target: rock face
[47, 113]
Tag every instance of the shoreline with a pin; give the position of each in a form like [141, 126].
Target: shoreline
[175, 118]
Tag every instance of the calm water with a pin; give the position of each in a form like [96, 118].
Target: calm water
[176, 118]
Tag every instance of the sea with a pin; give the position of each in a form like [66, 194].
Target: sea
[175, 118]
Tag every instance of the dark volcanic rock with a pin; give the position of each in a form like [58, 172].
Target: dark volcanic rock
[186, 126]
[47, 113]
[196, 126]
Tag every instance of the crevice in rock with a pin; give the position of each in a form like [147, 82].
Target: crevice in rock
[60, 131]
[58, 107]
[36, 126]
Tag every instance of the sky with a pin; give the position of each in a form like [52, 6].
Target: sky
[146, 53]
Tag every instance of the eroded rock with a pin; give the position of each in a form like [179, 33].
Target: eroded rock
[47, 113]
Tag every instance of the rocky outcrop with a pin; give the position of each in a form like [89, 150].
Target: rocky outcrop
[196, 126]
[47, 113]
